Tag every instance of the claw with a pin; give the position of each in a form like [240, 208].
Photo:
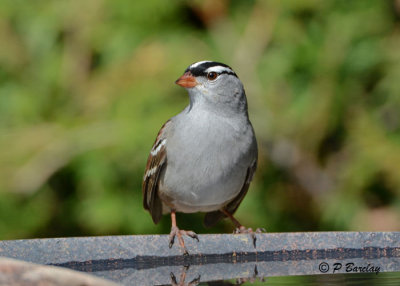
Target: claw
[195, 281]
[253, 236]
[172, 235]
[176, 232]
[173, 279]
[242, 229]
[192, 235]
[171, 241]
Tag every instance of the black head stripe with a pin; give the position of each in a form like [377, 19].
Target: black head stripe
[226, 72]
[200, 69]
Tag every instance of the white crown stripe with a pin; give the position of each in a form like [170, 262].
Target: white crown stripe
[219, 69]
[199, 63]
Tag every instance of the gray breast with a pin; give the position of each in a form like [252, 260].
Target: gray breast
[207, 161]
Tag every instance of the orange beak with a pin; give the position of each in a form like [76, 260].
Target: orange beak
[187, 80]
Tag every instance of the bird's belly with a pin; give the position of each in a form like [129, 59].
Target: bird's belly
[206, 183]
[207, 164]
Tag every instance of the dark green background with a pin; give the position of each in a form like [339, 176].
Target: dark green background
[86, 85]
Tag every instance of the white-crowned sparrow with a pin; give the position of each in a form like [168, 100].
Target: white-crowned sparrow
[204, 158]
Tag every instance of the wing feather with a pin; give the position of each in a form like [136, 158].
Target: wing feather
[151, 180]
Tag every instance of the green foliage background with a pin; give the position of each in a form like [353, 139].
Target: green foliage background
[85, 86]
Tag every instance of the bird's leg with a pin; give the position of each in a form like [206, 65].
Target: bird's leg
[175, 231]
[242, 229]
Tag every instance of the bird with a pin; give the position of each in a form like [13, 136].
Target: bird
[204, 158]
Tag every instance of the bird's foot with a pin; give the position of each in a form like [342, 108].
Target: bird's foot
[252, 279]
[182, 282]
[176, 232]
[242, 229]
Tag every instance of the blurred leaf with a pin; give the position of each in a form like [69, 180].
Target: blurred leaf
[85, 87]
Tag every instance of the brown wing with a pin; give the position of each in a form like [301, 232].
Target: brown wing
[151, 180]
[212, 218]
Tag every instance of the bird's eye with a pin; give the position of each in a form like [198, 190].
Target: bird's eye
[212, 75]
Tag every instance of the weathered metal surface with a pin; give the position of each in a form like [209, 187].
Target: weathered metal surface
[19, 273]
[136, 259]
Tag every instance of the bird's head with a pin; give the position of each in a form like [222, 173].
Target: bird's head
[215, 85]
